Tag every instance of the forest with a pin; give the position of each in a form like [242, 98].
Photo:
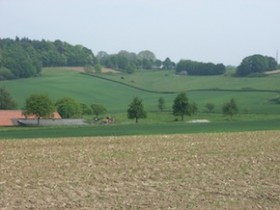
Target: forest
[23, 58]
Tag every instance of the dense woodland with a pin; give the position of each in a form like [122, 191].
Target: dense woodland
[22, 58]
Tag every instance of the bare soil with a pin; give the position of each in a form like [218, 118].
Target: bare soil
[197, 171]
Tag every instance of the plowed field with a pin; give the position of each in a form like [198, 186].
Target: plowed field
[197, 171]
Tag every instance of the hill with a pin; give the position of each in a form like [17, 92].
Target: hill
[252, 94]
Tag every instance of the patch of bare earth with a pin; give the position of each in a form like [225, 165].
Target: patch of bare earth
[198, 171]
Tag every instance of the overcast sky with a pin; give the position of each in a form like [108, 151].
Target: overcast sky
[219, 31]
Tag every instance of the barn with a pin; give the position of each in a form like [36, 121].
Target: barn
[13, 117]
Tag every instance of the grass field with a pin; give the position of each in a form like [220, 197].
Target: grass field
[194, 171]
[251, 94]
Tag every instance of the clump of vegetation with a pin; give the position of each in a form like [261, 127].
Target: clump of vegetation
[22, 58]
[256, 65]
[230, 108]
[182, 106]
[136, 110]
[68, 107]
[6, 100]
[39, 105]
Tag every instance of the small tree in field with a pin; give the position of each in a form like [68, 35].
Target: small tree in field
[230, 108]
[182, 107]
[210, 107]
[161, 104]
[39, 105]
[136, 110]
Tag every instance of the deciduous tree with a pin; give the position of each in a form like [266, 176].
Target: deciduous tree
[136, 110]
[98, 109]
[39, 105]
[6, 101]
[182, 107]
[230, 108]
[68, 107]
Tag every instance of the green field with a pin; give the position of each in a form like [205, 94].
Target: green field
[251, 94]
[256, 112]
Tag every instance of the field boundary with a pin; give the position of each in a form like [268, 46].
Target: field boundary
[175, 92]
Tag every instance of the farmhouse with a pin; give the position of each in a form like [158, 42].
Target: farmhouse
[13, 117]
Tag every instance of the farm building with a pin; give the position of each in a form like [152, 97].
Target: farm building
[13, 117]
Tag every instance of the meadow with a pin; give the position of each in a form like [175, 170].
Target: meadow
[194, 171]
[252, 94]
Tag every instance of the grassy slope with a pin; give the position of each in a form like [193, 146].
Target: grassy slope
[116, 97]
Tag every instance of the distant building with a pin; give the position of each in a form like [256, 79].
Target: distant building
[13, 117]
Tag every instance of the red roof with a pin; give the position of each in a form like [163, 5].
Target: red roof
[7, 116]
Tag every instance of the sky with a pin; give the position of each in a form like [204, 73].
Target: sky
[218, 31]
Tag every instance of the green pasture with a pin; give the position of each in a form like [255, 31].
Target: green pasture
[251, 94]
[169, 81]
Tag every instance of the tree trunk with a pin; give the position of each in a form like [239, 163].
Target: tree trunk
[136, 120]
[38, 121]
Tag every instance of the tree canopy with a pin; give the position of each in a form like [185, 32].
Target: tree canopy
[98, 109]
[136, 110]
[230, 108]
[6, 100]
[182, 106]
[39, 105]
[22, 58]
[68, 107]
[256, 64]
[198, 68]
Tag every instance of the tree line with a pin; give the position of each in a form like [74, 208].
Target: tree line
[22, 58]
[129, 61]
[199, 68]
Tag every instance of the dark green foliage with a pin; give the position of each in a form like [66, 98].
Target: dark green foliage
[6, 101]
[136, 110]
[98, 109]
[230, 108]
[167, 64]
[22, 58]
[68, 107]
[182, 106]
[256, 64]
[198, 68]
[161, 104]
[85, 109]
[129, 62]
[39, 105]
[275, 100]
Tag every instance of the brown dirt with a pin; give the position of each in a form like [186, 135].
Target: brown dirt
[200, 171]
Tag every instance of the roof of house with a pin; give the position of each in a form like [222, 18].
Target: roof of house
[7, 117]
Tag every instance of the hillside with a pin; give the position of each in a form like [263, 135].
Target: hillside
[252, 94]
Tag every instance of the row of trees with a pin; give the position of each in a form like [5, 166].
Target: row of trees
[181, 107]
[41, 105]
[22, 58]
[129, 62]
[199, 68]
